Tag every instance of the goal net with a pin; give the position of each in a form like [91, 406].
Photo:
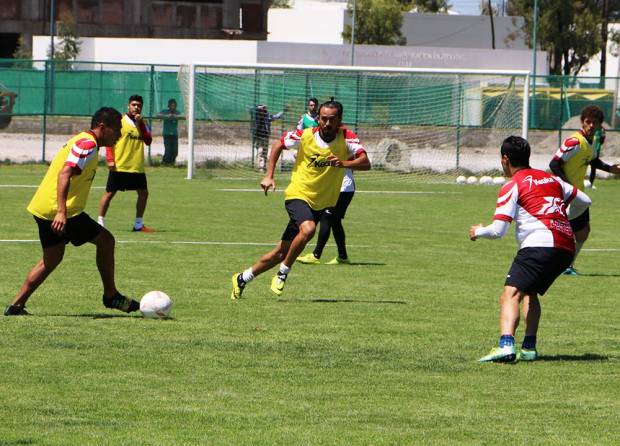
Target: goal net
[427, 125]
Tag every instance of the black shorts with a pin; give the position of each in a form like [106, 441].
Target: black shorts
[125, 181]
[535, 269]
[78, 230]
[340, 210]
[298, 212]
[577, 224]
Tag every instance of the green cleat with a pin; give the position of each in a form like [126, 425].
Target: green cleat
[309, 259]
[527, 355]
[500, 354]
[277, 284]
[339, 261]
[237, 290]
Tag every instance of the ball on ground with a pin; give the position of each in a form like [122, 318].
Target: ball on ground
[155, 304]
[499, 180]
[472, 180]
[461, 179]
[486, 180]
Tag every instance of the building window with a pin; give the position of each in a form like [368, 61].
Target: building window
[186, 16]
[64, 8]
[211, 17]
[252, 17]
[10, 9]
[112, 12]
[88, 11]
[162, 14]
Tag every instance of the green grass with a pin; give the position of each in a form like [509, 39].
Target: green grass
[382, 352]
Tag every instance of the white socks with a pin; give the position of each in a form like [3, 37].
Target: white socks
[100, 221]
[247, 275]
[284, 269]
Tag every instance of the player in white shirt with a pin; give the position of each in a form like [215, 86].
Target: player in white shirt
[537, 202]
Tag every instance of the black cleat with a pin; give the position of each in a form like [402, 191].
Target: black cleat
[16, 310]
[122, 303]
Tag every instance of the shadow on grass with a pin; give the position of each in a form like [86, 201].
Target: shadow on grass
[15, 442]
[355, 264]
[598, 275]
[583, 357]
[108, 316]
[355, 301]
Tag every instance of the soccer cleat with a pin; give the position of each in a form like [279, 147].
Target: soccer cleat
[339, 261]
[500, 354]
[309, 259]
[527, 355]
[237, 287]
[142, 228]
[122, 303]
[15, 310]
[277, 284]
[570, 271]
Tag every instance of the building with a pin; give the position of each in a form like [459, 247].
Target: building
[170, 19]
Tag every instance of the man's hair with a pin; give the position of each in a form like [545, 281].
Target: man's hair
[517, 150]
[136, 97]
[105, 115]
[172, 101]
[332, 104]
[315, 100]
[592, 112]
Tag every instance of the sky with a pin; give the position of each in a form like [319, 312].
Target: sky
[466, 7]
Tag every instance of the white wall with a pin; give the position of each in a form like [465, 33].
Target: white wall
[156, 51]
[307, 22]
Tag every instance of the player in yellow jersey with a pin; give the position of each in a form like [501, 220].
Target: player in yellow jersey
[570, 163]
[58, 209]
[126, 163]
[323, 154]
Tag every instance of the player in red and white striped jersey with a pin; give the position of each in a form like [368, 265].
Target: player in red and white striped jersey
[537, 202]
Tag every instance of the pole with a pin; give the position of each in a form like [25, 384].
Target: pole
[534, 30]
[353, 35]
[49, 81]
[190, 122]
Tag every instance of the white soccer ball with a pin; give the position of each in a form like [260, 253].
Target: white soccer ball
[155, 304]
[461, 179]
[486, 180]
[587, 184]
[499, 180]
[472, 180]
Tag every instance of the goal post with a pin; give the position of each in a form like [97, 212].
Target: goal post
[424, 122]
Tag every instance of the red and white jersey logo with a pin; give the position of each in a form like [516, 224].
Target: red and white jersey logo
[537, 202]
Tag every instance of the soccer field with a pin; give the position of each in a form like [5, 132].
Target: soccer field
[380, 352]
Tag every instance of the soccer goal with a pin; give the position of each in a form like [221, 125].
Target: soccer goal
[420, 124]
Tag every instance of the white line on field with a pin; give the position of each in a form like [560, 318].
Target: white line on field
[184, 242]
[405, 192]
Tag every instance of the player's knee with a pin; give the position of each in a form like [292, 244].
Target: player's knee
[307, 230]
[105, 239]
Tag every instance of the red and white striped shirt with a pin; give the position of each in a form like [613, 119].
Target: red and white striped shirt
[537, 201]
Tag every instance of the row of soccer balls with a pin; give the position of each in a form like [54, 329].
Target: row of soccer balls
[462, 179]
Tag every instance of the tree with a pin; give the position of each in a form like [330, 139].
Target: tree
[568, 30]
[69, 44]
[377, 22]
[433, 6]
[279, 3]
[22, 53]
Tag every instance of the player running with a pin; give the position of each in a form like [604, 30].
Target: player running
[324, 152]
[126, 163]
[571, 161]
[58, 209]
[537, 202]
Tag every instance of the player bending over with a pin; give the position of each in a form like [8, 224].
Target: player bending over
[323, 154]
[537, 202]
